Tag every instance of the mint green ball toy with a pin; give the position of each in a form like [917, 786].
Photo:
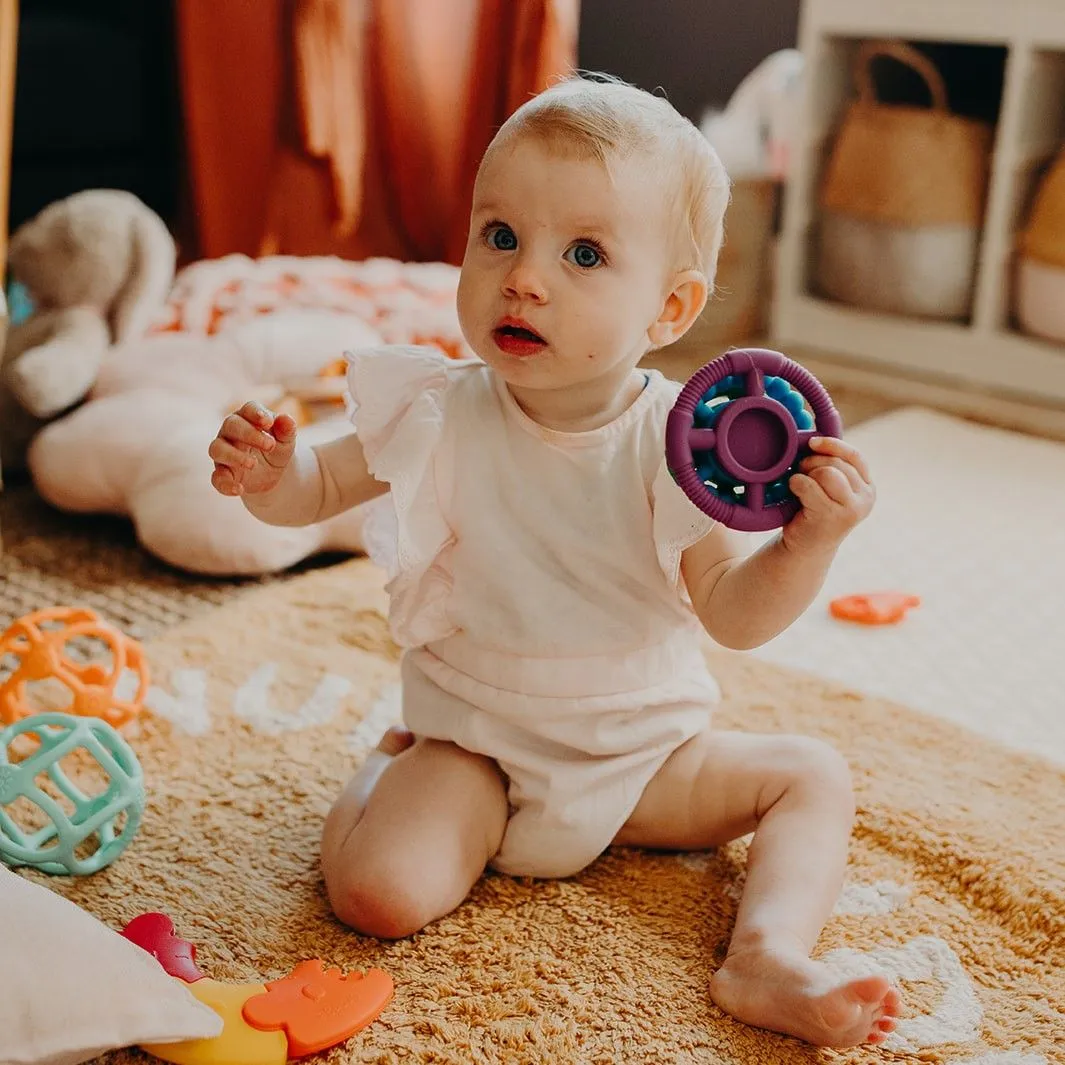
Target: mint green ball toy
[52, 848]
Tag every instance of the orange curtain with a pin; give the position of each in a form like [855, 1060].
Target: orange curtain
[231, 78]
[520, 47]
[353, 127]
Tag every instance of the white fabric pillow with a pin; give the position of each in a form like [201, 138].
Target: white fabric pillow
[72, 988]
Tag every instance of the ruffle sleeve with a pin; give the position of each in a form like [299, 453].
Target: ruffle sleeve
[398, 402]
[677, 524]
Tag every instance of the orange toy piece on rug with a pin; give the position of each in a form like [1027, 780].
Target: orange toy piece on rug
[311, 1009]
[239, 1043]
[318, 1007]
[874, 608]
[38, 642]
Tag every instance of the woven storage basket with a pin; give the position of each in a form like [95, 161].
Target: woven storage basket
[902, 198]
[1041, 259]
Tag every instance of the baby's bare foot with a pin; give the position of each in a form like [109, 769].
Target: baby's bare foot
[395, 741]
[357, 794]
[785, 991]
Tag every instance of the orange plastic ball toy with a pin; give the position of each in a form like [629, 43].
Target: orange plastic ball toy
[41, 654]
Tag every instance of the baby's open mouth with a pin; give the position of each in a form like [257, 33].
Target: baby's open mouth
[516, 338]
[520, 333]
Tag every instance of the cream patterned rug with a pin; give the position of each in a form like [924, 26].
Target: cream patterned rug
[265, 706]
[972, 520]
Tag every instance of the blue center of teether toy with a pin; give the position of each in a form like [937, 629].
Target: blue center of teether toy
[708, 410]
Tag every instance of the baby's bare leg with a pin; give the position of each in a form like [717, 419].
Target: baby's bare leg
[410, 835]
[795, 795]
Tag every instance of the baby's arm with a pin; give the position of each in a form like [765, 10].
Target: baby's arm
[318, 483]
[743, 602]
[281, 481]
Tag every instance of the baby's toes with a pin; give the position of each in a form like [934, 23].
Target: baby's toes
[892, 1004]
[395, 740]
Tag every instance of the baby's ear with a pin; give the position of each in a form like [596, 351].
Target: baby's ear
[681, 308]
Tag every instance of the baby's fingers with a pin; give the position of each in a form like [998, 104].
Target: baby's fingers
[256, 414]
[834, 483]
[808, 492]
[236, 429]
[226, 454]
[284, 429]
[833, 445]
[814, 462]
[225, 482]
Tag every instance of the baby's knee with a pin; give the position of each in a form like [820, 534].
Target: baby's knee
[816, 766]
[382, 902]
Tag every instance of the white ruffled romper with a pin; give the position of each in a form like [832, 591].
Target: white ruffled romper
[535, 589]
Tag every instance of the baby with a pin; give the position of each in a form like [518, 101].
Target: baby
[550, 583]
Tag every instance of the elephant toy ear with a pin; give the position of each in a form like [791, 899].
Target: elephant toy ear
[152, 259]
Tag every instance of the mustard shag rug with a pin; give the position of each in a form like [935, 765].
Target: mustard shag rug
[264, 707]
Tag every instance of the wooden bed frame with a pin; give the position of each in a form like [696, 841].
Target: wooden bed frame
[8, 37]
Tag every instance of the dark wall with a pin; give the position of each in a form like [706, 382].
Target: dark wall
[95, 103]
[697, 50]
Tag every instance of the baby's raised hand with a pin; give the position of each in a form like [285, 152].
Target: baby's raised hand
[836, 493]
[251, 450]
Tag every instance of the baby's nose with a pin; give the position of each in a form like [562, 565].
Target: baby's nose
[525, 282]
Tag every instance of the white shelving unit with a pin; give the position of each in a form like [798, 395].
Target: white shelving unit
[985, 353]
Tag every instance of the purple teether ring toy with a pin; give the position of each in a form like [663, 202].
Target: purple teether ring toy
[755, 439]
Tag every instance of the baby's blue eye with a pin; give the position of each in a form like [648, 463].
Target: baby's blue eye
[501, 238]
[586, 256]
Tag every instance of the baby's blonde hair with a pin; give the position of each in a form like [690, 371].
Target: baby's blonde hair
[604, 118]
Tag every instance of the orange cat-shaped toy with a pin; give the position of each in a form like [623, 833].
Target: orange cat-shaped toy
[311, 1009]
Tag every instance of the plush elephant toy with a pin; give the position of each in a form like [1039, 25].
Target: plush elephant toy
[90, 271]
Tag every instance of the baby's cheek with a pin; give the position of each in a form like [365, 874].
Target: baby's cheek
[467, 303]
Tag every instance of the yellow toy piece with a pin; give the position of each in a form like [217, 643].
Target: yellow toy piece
[239, 1043]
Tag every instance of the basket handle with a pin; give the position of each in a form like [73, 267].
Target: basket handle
[910, 57]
